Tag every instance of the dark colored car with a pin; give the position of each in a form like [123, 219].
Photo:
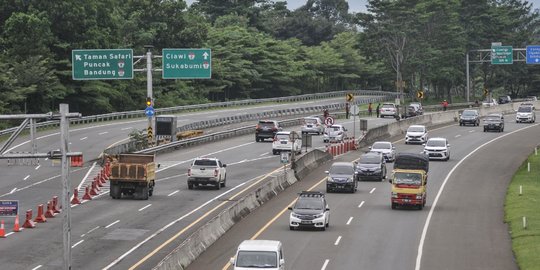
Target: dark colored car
[412, 111]
[341, 177]
[494, 122]
[371, 166]
[266, 129]
[469, 117]
[504, 99]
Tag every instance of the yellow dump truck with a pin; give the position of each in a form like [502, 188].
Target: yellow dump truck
[409, 180]
[133, 175]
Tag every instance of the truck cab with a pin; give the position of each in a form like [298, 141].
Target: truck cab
[409, 180]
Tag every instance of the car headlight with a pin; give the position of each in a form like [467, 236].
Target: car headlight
[329, 179]
[295, 215]
[394, 195]
[349, 179]
[318, 216]
[419, 196]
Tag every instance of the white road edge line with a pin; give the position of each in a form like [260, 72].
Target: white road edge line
[349, 221]
[325, 264]
[13, 190]
[76, 244]
[263, 154]
[371, 192]
[337, 241]
[37, 267]
[83, 138]
[97, 227]
[145, 207]
[102, 133]
[432, 209]
[459, 135]
[38, 167]
[8, 234]
[360, 205]
[84, 178]
[126, 128]
[26, 177]
[106, 227]
[174, 192]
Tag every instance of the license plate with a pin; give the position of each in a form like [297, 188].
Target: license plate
[283, 142]
[305, 222]
[406, 200]
[309, 126]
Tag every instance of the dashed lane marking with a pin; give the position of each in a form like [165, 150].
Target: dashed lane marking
[337, 241]
[174, 192]
[349, 221]
[360, 205]
[145, 207]
[371, 192]
[76, 244]
[108, 226]
[325, 264]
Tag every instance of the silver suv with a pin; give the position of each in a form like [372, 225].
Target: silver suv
[525, 113]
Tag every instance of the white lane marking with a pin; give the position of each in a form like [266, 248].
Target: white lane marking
[174, 192]
[459, 135]
[46, 158]
[106, 227]
[8, 234]
[371, 192]
[263, 154]
[26, 177]
[76, 244]
[37, 267]
[174, 222]
[337, 241]
[38, 167]
[239, 162]
[360, 205]
[13, 190]
[471, 130]
[145, 207]
[97, 227]
[126, 128]
[432, 209]
[325, 264]
[103, 133]
[83, 138]
[349, 221]
[170, 177]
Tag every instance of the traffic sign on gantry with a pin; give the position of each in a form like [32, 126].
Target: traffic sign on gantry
[106, 64]
[187, 63]
[501, 55]
[533, 54]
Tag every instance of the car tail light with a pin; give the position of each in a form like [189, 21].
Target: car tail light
[216, 172]
[189, 172]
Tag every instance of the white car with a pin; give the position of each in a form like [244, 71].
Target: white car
[437, 148]
[259, 254]
[310, 211]
[207, 171]
[525, 113]
[490, 103]
[387, 149]
[287, 141]
[416, 134]
[313, 125]
[388, 109]
[334, 133]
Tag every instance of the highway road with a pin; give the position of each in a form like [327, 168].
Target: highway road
[118, 234]
[460, 228]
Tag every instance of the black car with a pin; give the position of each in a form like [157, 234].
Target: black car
[341, 177]
[412, 111]
[469, 117]
[504, 99]
[494, 122]
[266, 129]
[371, 166]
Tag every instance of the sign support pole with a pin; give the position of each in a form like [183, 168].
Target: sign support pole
[149, 87]
[468, 78]
[66, 204]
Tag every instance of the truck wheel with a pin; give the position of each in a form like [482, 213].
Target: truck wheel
[291, 228]
[151, 192]
[224, 181]
[145, 193]
[115, 191]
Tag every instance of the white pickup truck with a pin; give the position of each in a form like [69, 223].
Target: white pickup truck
[207, 171]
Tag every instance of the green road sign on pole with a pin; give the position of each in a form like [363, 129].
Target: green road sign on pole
[187, 63]
[501, 55]
[106, 64]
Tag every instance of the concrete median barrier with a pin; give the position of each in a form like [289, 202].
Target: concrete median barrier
[207, 234]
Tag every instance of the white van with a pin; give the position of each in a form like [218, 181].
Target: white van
[259, 254]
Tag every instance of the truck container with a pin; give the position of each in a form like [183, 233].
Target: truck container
[133, 175]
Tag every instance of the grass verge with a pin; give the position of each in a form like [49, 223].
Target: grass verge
[525, 241]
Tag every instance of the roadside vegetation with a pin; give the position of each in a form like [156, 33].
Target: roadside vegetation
[525, 241]
[260, 49]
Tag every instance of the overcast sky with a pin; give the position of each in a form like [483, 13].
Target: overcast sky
[354, 5]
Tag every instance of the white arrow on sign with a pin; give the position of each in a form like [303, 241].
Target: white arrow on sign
[78, 57]
[205, 55]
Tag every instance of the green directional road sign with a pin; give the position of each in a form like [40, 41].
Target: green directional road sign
[187, 63]
[107, 64]
[501, 55]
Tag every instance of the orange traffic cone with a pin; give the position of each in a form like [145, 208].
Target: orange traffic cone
[40, 218]
[28, 223]
[86, 195]
[2, 231]
[50, 212]
[16, 226]
[75, 199]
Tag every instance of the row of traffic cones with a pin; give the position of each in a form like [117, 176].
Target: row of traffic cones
[53, 207]
[52, 210]
[342, 148]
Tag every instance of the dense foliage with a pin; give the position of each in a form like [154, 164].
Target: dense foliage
[260, 48]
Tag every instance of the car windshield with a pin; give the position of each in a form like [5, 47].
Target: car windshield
[493, 118]
[266, 124]
[309, 203]
[282, 137]
[341, 169]
[387, 106]
[415, 129]
[525, 109]
[381, 146]
[436, 143]
[310, 121]
[408, 178]
[469, 113]
[334, 128]
[256, 259]
[370, 160]
[204, 162]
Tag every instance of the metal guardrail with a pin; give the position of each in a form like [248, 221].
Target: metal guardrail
[178, 109]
